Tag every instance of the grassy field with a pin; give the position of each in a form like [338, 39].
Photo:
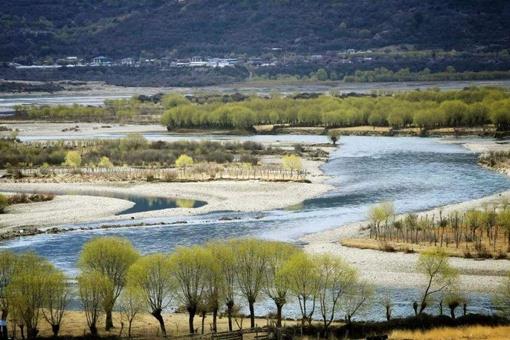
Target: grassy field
[466, 251]
[471, 332]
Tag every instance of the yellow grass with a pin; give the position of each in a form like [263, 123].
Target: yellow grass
[471, 332]
[451, 250]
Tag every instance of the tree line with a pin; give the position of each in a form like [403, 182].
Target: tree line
[425, 109]
[132, 150]
[485, 230]
[208, 279]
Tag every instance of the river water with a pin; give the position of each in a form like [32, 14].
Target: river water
[414, 173]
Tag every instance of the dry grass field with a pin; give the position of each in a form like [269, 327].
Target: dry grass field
[144, 325]
[466, 333]
[466, 251]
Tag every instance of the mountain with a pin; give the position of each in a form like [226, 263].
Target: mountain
[86, 28]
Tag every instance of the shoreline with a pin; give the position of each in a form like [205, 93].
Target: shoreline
[222, 195]
[397, 269]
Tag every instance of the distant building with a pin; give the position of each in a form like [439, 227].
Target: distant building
[101, 61]
[127, 61]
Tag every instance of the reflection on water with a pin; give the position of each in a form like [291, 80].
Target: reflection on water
[414, 173]
[141, 203]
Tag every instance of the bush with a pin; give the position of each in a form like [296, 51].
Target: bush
[3, 203]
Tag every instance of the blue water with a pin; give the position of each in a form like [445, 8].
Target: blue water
[415, 173]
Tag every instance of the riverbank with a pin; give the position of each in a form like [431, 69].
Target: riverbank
[397, 269]
[245, 196]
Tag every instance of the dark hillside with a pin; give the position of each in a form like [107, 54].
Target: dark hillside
[39, 28]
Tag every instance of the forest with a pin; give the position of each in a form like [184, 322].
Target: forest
[35, 29]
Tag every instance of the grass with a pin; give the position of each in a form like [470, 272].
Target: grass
[451, 250]
[448, 333]
[144, 325]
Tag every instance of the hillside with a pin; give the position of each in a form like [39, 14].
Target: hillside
[40, 28]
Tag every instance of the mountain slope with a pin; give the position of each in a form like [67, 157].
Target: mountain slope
[215, 27]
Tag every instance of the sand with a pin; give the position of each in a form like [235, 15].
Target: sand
[247, 196]
[39, 130]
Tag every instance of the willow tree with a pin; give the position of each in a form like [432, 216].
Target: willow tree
[27, 290]
[251, 262]
[131, 303]
[225, 258]
[276, 284]
[190, 267]
[93, 288]
[303, 278]
[439, 275]
[214, 288]
[111, 257]
[7, 269]
[152, 274]
[335, 279]
[56, 300]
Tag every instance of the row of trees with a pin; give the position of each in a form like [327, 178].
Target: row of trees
[113, 110]
[210, 278]
[424, 109]
[482, 229]
[207, 280]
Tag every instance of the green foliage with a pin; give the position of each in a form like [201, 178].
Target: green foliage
[183, 161]
[110, 257]
[73, 159]
[439, 275]
[427, 109]
[30, 289]
[94, 288]
[133, 150]
[78, 28]
[153, 276]
[292, 162]
[105, 162]
[191, 268]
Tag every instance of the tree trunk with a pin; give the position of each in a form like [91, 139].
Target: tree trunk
[452, 313]
[157, 314]
[203, 322]
[279, 308]
[230, 309]
[129, 328]
[108, 324]
[32, 332]
[55, 329]
[5, 332]
[192, 311]
[214, 320]
[93, 329]
[388, 313]
[252, 313]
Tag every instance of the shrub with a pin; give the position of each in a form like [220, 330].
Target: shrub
[3, 203]
[183, 161]
[73, 159]
[104, 162]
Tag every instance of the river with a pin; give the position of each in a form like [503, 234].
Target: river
[414, 173]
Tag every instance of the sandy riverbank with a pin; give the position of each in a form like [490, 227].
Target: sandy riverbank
[244, 196]
[36, 129]
[398, 269]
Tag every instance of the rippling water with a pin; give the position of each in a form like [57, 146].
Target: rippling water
[414, 173]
